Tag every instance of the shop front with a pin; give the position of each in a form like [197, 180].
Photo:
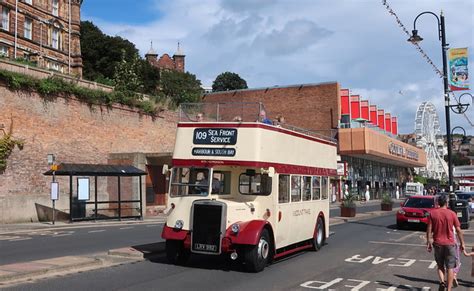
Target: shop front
[376, 162]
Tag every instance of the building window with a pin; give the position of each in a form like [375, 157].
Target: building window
[3, 51]
[28, 28]
[55, 7]
[29, 2]
[55, 38]
[5, 18]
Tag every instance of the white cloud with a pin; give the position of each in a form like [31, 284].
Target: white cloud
[357, 43]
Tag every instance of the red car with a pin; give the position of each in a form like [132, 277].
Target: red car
[415, 210]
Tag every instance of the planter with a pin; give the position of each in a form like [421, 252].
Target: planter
[386, 206]
[348, 211]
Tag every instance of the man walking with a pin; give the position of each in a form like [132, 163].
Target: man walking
[441, 224]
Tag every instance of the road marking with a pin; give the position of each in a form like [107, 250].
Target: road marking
[20, 239]
[8, 237]
[342, 283]
[152, 225]
[405, 237]
[127, 227]
[397, 243]
[100, 230]
[63, 234]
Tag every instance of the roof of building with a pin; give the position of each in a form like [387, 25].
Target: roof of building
[151, 51]
[179, 52]
[95, 170]
[300, 86]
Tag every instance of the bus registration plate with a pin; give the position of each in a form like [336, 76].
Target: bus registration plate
[205, 247]
[414, 220]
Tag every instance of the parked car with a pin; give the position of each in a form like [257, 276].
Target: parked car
[415, 210]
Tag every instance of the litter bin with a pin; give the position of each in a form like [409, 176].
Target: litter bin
[461, 207]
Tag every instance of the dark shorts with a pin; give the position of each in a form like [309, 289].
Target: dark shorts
[445, 256]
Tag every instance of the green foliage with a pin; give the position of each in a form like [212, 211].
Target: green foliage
[228, 81]
[386, 199]
[459, 160]
[7, 144]
[53, 87]
[349, 201]
[101, 53]
[126, 76]
[420, 179]
[115, 61]
[180, 87]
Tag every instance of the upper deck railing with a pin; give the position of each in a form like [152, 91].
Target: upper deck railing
[241, 112]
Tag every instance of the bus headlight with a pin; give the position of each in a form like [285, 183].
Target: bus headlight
[178, 224]
[235, 228]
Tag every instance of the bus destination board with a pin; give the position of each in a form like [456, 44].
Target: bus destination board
[219, 152]
[215, 136]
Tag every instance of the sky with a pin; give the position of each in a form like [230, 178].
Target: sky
[357, 43]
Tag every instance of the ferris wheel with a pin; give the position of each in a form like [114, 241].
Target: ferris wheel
[429, 138]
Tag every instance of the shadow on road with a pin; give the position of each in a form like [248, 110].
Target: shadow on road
[462, 283]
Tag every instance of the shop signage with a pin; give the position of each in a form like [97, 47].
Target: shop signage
[218, 152]
[215, 136]
[401, 151]
[342, 169]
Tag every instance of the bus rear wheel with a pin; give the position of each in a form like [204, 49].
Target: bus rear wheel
[258, 256]
[176, 254]
[319, 236]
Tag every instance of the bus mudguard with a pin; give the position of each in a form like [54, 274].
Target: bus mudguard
[171, 233]
[249, 233]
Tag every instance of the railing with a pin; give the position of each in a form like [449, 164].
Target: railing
[241, 112]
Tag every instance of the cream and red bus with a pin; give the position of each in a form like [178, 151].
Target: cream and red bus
[251, 190]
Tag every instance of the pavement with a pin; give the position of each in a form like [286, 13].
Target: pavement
[33, 270]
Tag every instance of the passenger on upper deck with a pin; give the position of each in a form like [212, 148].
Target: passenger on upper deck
[199, 117]
[279, 121]
[263, 118]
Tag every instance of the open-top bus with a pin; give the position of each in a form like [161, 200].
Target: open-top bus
[251, 190]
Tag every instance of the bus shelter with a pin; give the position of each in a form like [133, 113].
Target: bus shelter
[101, 191]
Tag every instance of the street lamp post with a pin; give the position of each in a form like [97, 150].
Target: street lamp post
[415, 38]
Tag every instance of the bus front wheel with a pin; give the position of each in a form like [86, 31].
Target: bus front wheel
[176, 254]
[318, 239]
[257, 256]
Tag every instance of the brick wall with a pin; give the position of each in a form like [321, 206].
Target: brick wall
[311, 106]
[74, 133]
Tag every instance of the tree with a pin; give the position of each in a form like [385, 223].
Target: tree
[126, 76]
[102, 53]
[228, 81]
[180, 87]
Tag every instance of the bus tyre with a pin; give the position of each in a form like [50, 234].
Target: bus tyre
[257, 257]
[176, 254]
[319, 237]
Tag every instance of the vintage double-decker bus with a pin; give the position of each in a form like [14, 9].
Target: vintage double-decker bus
[251, 190]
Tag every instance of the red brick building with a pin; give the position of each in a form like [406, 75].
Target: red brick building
[165, 62]
[45, 32]
[371, 155]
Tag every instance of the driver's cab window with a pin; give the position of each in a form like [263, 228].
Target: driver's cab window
[190, 181]
[220, 182]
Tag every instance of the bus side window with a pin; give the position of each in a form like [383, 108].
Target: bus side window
[295, 188]
[306, 188]
[316, 188]
[324, 187]
[283, 189]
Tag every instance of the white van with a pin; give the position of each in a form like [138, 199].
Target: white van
[414, 189]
